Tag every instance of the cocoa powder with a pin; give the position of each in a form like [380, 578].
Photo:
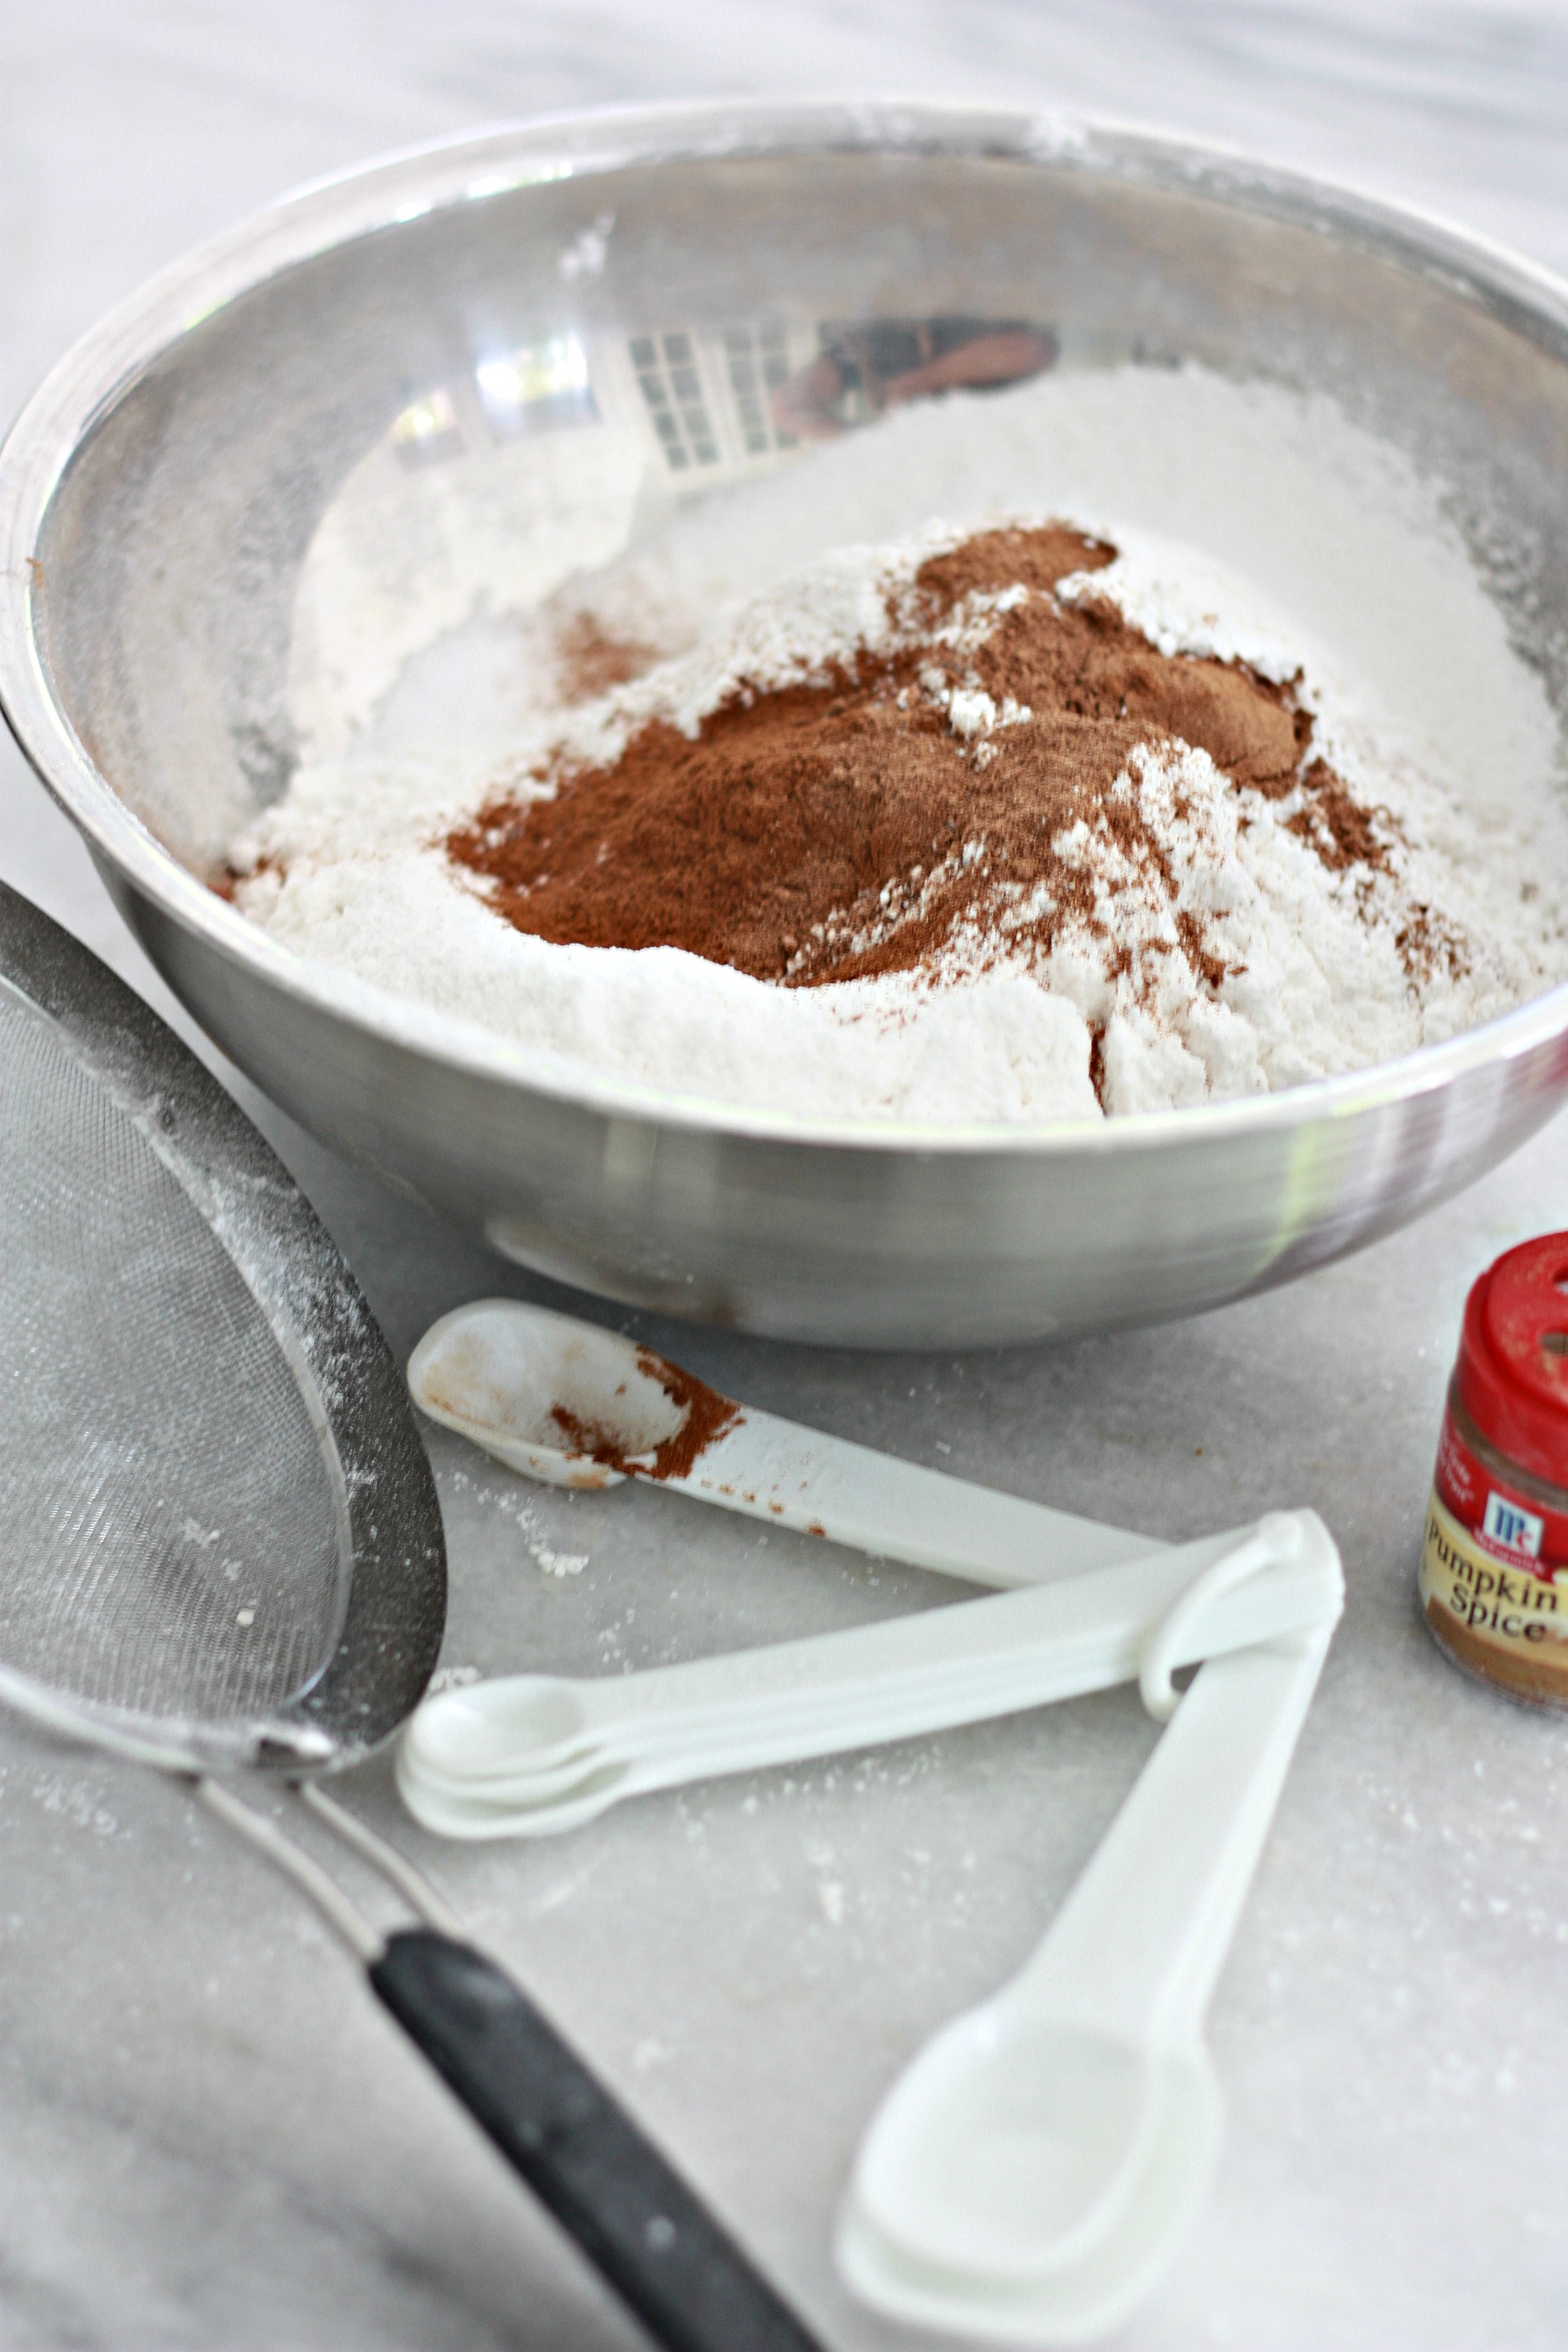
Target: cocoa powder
[589, 661]
[706, 1416]
[831, 830]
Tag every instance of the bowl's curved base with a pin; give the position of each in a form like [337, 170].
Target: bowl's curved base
[869, 1244]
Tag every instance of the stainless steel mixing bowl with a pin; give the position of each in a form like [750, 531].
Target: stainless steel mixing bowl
[159, 496]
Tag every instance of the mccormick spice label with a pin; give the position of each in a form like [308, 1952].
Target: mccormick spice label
[1493, 1579]
[1490, 1561]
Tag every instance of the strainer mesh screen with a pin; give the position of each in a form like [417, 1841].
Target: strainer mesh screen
[170, 1537]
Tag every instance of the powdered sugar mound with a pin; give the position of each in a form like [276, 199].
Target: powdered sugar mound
[1230, 957]
[1315, 980]
[1187, 603]
[792, 635]
[1004, 1051]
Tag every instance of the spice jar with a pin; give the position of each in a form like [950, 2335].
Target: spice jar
[1493, 1578]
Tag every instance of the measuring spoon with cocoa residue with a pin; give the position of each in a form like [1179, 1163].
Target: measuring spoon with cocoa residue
[532, 1755]
[574, 1405]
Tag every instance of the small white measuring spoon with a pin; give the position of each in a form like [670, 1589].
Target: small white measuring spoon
[574, 1405]
[1031, 2172]
[529, 1755]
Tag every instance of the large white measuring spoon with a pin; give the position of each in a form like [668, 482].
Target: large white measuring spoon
[1034, 2168]
[573, 1405]
[529, 1755]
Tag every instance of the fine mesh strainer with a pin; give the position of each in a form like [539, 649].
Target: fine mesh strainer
[220, 1549]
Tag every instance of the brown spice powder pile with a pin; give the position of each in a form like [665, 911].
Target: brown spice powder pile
[818, 832]
[706, 1416]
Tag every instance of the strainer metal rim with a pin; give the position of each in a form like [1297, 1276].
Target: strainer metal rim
[395, 1606]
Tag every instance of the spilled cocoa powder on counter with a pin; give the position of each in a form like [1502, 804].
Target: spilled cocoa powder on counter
[858, 823]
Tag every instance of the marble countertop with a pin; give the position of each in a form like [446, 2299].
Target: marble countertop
[209, 2135]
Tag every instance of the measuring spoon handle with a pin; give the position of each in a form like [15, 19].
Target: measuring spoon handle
[477, 1747]
[789, 1476]
[1142, 1937]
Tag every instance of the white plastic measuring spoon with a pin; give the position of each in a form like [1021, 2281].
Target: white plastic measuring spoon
[1030, 2175]
[529, 1755]
[567, 1402]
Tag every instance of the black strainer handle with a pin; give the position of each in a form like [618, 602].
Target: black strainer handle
[641, 2227]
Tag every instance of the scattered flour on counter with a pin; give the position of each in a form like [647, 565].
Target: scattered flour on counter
[540, 1550]
[1190, 933]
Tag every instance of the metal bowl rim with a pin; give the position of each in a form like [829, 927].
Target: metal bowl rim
[88, 381]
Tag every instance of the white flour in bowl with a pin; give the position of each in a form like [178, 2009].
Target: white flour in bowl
[1183, 932]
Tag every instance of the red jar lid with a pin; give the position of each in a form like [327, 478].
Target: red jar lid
[1512, 1370]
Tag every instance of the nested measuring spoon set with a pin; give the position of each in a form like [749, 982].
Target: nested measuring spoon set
[221, 1556]
[1034, 2168]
